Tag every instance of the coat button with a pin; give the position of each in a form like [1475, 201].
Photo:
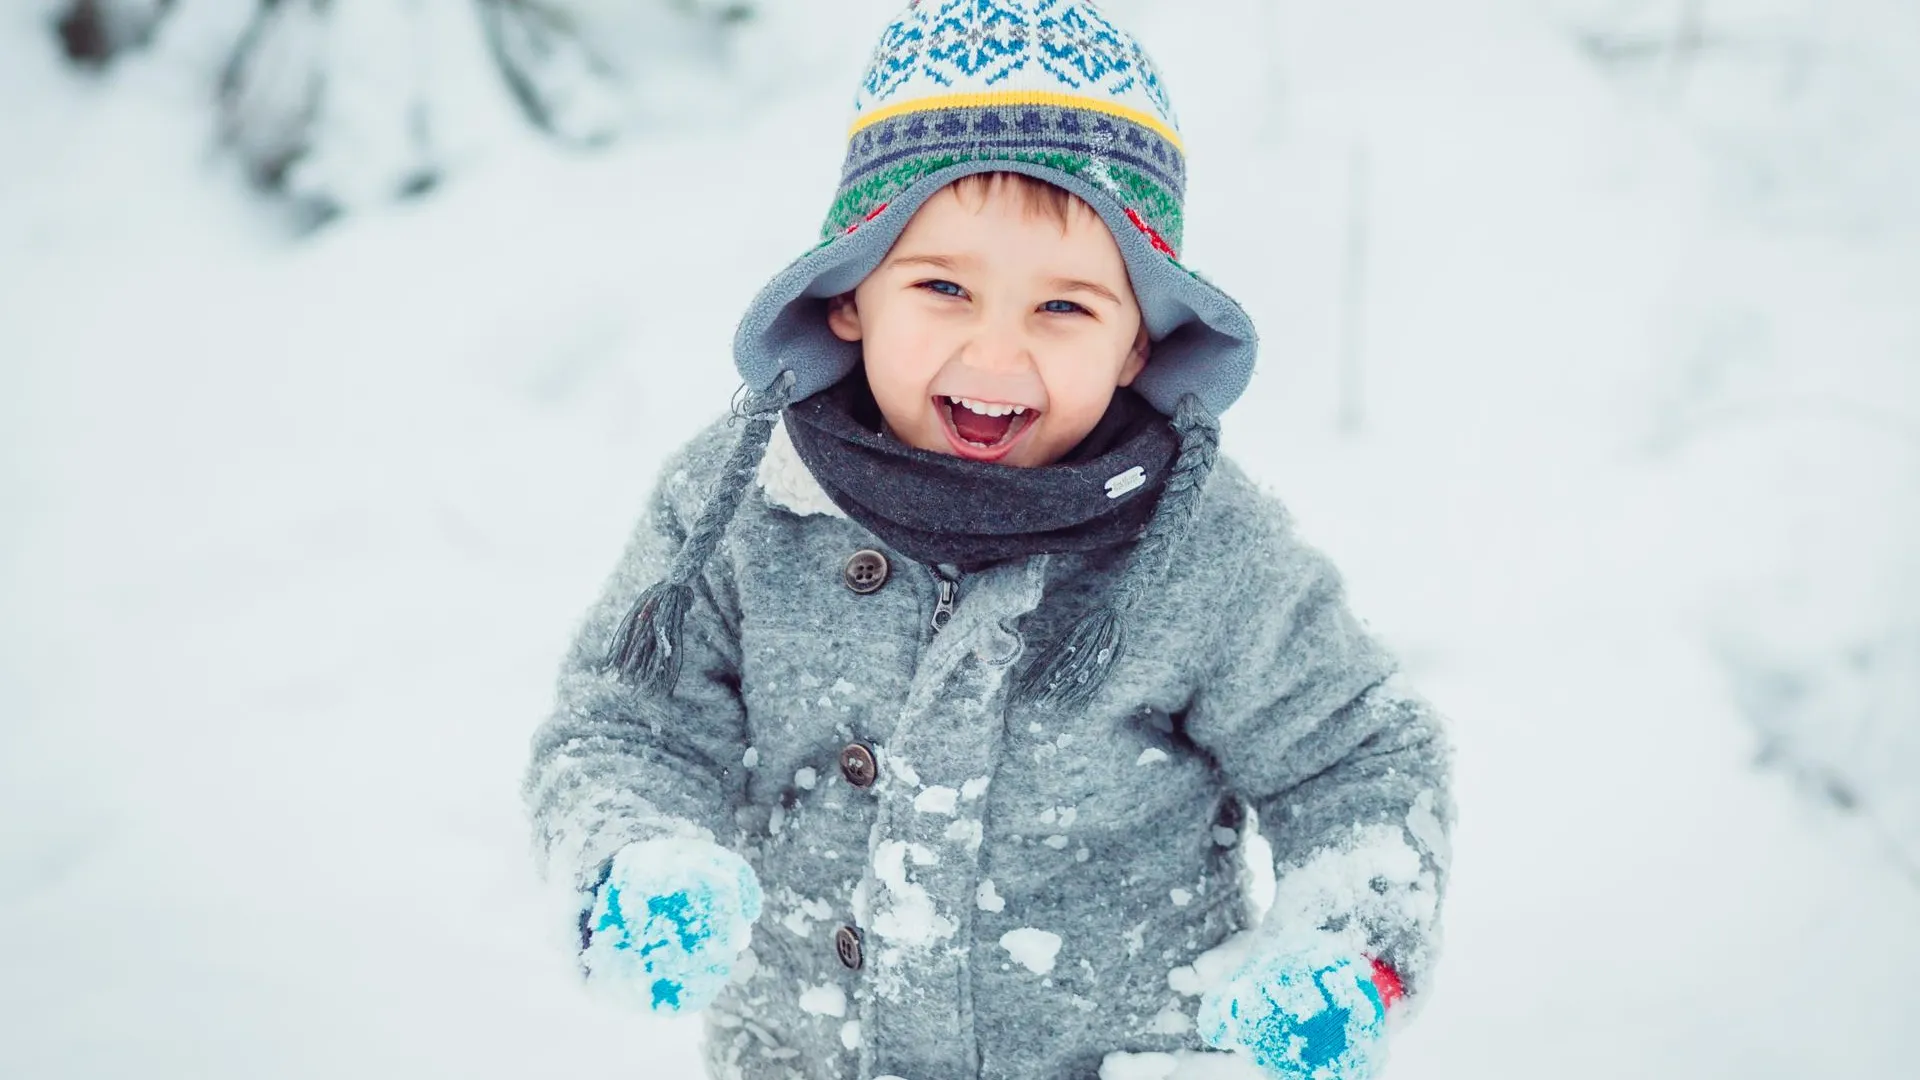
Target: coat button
[846, 944]
[858, 765]
[866, 571]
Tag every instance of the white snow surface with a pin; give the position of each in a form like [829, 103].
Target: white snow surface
[937, 800]
[1374, 884]
[292, 533]
[906, 916]
[824, 1001]
[1031, 948]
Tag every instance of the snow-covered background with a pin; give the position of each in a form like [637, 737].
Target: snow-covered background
[1592, 354]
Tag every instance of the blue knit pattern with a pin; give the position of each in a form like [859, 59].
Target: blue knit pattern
[962, 46]
[1306, 1009]
[1047, 83]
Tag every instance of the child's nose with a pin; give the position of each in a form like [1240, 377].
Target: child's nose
[999, 349]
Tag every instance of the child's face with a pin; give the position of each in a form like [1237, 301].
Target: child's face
[985, 297]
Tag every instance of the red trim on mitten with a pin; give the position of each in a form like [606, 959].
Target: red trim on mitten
[1387, 981]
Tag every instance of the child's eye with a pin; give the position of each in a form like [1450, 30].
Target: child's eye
[1061, 307]
[944, 288]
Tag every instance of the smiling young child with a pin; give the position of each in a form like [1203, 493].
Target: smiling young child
[921, 729]
[980, 252]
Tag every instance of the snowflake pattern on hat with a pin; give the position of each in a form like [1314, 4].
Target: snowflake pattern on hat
[1065, 46]
[1048, 83]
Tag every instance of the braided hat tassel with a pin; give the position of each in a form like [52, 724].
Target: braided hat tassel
[1070, 673]
[646, 648]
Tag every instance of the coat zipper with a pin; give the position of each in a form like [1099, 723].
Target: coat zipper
[949, 592]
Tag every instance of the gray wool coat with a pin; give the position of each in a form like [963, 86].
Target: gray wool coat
[1024, 892]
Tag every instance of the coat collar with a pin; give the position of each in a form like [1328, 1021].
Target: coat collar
[788, 483]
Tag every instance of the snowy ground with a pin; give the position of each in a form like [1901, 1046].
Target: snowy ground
[291, 535]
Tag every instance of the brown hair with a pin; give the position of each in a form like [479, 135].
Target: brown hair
[1042, 199]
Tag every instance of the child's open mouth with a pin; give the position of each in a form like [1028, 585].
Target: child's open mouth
[983, 430]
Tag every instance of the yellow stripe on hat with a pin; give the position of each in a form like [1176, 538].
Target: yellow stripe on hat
[993, 98]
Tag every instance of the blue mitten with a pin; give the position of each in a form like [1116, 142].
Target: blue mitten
[1305, 1007]
[669, 922]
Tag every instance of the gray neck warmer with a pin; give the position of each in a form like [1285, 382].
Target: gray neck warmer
[944, 509]
[645, 648]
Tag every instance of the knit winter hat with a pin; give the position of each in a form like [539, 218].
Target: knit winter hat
[1051, 89]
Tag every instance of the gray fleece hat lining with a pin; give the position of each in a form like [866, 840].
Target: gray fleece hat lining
[1204, 342]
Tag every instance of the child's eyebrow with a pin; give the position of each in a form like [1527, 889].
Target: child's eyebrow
[941, 262]
[1076, 285]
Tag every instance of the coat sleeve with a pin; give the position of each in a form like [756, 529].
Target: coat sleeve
[1347, 770]
[615, 764]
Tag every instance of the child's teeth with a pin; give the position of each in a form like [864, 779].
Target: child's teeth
[985, 409]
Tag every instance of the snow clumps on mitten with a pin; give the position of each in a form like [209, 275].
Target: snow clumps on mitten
[669, 922]
[1304, 1007]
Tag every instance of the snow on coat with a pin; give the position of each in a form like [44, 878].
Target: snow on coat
[1024, 892]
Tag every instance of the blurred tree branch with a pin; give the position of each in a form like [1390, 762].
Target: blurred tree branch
[271, 86]
[334, 103]
[568, 73]
[564, 86]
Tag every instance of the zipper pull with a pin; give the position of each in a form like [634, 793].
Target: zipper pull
[943, 605]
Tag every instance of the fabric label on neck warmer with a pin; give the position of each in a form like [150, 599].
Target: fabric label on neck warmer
[1131, 480]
